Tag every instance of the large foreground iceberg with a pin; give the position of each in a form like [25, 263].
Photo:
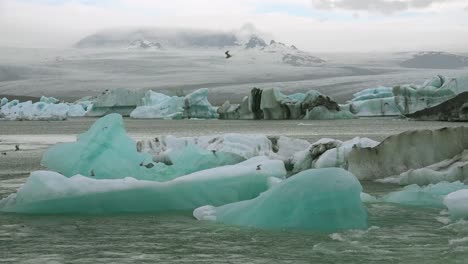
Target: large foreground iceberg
[325, 200]
[157, 105]
[48, 192]
[105, 151]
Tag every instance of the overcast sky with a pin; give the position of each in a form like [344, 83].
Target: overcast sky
[315, 25]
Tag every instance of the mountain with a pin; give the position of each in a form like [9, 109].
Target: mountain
[288, 54]
[435, 60]
[144, 45]
[177, 38]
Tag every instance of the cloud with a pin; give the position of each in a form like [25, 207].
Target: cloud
[376, 6]
[60, 23]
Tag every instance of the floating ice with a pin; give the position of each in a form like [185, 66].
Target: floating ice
[157, 105]
[105, 151]
[121, 101]
[15, 110]
[411, 98]
[237, 145]
[327, 153]
[408, 150]
[324, 200]
[427, 196]
[457, 204]
[49, 100]
[4, 101]
[48, 192]
[454, 169]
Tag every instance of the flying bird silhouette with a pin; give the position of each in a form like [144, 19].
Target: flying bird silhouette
[227, 54]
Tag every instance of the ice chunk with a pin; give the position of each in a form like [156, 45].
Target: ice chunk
[408, 150]
[327, 153]
[194, 105]
[158, 105]
[312, 105]
[105, 151]
[237, 146]
[51, 193]
[121, 101]
[411, 98]
[198, 106]
[373, 93]
[454, 169]
[49, 100]
[457, 204]
[375, 107]
[4, 101]
[325, 200]
[15, 110]
[428, 196]
[76, 110]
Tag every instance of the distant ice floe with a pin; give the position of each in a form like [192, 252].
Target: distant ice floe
[48, 108]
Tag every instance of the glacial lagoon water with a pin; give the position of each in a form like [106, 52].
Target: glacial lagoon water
[397, 234]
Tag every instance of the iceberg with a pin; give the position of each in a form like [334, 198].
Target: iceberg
[120, 101]
[378, 101]
[160, 106]
[408, 150]
[15, 110]
[49, 100]
[312, 105]
[328, 153]
[3, 101]
[455, 109]
[454, 169]
[105, 151]
[427, 196]
[412, 98]
[457, 204]
[235, 146]
[48, 192]
[325, 200]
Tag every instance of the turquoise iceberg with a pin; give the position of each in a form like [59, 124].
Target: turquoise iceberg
[325, 200]
[105, 151]
[48, 192]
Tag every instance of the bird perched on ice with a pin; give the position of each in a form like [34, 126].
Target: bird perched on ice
[227, 54]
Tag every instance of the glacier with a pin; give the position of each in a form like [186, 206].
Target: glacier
[47, 192]
[160, 106]
[323, 200]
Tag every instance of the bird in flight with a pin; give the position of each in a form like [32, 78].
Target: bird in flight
[227, 54]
